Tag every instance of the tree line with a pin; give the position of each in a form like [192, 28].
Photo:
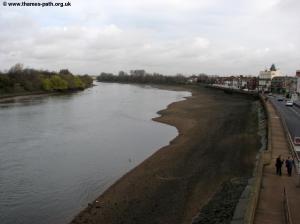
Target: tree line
[19, 79]
[141, 76]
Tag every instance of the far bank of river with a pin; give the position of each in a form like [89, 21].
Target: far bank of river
[217, 142]
[10, 97]
[27, 95]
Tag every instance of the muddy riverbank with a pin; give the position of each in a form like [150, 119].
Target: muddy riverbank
[217, 141]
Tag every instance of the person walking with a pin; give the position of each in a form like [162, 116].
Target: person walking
[278, 165]
[289, 166]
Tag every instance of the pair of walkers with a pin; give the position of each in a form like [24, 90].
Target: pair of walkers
[288, 164]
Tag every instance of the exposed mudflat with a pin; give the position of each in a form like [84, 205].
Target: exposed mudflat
[217, 141]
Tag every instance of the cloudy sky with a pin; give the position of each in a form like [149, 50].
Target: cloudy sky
[166, 36]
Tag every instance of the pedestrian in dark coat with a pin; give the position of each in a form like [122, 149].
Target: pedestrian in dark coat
[278, 165]
[289, 166]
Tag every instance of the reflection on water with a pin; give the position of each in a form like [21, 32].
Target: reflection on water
[59, 152]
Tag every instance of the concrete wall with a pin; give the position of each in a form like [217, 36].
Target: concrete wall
[246, 207]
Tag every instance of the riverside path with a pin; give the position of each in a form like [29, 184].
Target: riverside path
[270, 207]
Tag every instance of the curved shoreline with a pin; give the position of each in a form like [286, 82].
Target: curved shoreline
[174, 183]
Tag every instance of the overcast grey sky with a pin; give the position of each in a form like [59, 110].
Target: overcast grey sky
[166, 36]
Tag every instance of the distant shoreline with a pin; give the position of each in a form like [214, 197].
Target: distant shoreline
[173, 184]
[19, 96]
[26, 95]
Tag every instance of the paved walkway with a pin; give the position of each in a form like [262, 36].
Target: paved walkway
[270, 205]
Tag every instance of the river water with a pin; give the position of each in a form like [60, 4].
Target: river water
[57, 153]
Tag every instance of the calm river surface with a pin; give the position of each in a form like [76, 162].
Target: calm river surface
[57, 153]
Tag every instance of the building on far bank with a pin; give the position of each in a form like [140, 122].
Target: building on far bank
[265, 77]
[237, 82]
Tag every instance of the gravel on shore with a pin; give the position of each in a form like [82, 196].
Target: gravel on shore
[220, 209]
